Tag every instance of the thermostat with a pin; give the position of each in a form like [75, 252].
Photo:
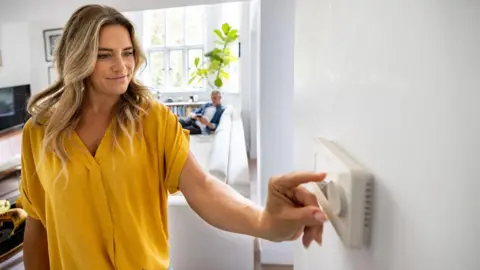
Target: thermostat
[346, 193]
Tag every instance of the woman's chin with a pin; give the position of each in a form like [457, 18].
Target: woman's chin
[119, 89]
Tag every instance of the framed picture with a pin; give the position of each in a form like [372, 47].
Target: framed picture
[51, 38]
[52, 75]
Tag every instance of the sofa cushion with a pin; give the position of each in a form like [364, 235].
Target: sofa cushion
[200, 146]
[238, 172]
[220, 152]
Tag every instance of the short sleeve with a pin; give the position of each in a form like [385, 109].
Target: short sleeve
[31, 192]
[177, 147]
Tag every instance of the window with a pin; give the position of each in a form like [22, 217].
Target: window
[173, 38]
[231, 13]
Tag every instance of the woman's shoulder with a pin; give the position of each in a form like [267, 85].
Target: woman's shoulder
[34, 128]
[156, 112]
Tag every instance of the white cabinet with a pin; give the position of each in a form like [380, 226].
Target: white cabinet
[10, 150]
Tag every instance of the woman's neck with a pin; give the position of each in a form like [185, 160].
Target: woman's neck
[99, 103]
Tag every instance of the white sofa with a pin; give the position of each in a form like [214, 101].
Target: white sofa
[224, 154]
[194, 244]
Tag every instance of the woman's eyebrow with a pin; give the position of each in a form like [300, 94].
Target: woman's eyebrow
[111, 50]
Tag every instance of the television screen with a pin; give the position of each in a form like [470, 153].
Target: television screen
[6, 102]
[13, 101]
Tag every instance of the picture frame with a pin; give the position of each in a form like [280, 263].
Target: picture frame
[50, 39]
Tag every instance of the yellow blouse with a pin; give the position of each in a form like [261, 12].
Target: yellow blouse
[111, 210]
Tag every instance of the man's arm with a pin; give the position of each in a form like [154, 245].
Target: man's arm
[210, 125]
[35, 246]
[199, 110]
[217, 203]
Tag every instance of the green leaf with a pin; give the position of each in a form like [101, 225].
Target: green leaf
[224, 74]
[204, 72]
[216, 58]
[221, 43]
[208, 54]
[197, 60]
[219, 34]
[226, 28]
[230, 58]
[221, 55]
[218, 82]
[215, 65]
[233, 34]
[191, 80]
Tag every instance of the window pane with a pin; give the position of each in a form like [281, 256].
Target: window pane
[195, 20]
[192, 54]
[155, 27]
[233, 82]
[157, 68]
[175, 26]
[176, 68]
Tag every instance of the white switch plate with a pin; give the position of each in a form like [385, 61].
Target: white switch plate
[346, 195]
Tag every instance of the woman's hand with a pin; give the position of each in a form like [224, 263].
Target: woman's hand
[291, 210]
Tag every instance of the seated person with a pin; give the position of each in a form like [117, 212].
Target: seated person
[207, 118]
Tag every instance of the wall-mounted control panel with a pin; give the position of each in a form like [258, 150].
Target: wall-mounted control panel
[346, 194]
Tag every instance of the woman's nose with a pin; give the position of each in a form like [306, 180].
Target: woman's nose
[118, 65]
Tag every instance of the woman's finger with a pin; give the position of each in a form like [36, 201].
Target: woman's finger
[319, 234]
[304, 216]
[308, 236]
[305, 197]
[295, 179]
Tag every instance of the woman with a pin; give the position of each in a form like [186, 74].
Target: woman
[100, 157]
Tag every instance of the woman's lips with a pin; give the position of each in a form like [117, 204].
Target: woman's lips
[118, 77]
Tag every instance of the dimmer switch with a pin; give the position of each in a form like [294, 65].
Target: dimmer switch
[346, 194]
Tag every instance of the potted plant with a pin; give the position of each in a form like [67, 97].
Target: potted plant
[214, 64]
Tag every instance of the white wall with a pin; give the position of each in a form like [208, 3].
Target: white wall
[275, 106]
[254, 86]
[396, 84]
[245, 73]
[33, 10]
[38, 66]
[14, 45]
[22, 45]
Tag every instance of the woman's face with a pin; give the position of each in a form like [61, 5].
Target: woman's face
[115, 61]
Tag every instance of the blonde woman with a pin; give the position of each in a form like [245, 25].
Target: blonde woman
[100, 157]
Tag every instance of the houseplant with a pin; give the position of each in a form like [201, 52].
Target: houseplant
[212, 67]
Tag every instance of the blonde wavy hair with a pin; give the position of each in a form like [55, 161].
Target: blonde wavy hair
[58, 107]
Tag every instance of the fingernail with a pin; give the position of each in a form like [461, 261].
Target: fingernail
[319, 217]
[319, 239]
[308, 244]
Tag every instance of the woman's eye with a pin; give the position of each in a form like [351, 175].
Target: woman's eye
[103, 56]
[127, 53]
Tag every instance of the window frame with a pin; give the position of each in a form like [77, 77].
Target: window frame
[166, 49]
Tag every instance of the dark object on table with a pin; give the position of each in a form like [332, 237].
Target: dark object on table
[11, 244]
